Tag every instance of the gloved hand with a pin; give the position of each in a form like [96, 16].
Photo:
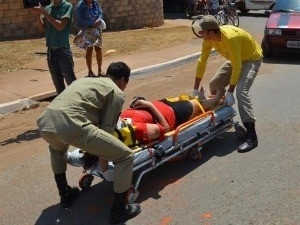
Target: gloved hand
[75, 158]
[196, 92]
[108, 175]
[229, 98]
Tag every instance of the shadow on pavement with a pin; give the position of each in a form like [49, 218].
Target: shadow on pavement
[291, 58]
[170, 172]
[253, 14]
[28, 135]
[93, 206]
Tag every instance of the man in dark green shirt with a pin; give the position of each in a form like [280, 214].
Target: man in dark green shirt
[55, 21]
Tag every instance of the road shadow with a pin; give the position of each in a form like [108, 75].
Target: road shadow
[170, 172]
[93, 206]
[28, 135]
[253, 14]
[292, 58]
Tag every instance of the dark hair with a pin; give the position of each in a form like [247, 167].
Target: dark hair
[117, 70]
[88, 160]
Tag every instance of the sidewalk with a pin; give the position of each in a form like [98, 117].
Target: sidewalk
[21, 89]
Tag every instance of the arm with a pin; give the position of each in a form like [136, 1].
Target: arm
[109, 117]
[58, 24]
[201, 64]
[100, 16]
[111, 111]
[142, 104]
[40, 20]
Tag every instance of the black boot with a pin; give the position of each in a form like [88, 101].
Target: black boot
[251, 141]
[67, 193]
[120, 211]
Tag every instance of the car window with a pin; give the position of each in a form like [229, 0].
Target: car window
[287, 6]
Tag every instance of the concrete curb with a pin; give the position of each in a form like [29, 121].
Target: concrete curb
[18, 105]
[165, 65]
[32, 101]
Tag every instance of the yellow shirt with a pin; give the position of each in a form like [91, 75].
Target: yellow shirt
[236, 45]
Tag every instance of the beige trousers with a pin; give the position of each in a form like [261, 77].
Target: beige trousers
[98, 143]
[248, 73]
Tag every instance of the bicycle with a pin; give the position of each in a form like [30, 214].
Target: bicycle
[190, 10]
[228, 14]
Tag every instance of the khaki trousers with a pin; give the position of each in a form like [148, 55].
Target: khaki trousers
[96, 142]
[248, 73]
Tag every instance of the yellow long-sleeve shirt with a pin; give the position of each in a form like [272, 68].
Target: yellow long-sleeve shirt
[236, 45]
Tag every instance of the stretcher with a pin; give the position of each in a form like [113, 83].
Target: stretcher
[186, 140]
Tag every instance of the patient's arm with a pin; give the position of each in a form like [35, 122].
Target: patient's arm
[142, 104]
[153, 131]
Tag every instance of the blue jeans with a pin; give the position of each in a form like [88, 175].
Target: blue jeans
[61, 67]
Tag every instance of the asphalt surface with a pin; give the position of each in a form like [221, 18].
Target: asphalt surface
[224, 188]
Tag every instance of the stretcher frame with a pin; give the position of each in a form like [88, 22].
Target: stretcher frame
[186, 140]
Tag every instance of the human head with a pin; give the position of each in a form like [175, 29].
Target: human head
[119, 72]
[206, 24]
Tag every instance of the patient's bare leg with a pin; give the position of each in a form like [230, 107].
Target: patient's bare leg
[209, 103]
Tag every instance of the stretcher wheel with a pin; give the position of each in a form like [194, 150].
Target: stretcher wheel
[132, 195]
[86, 181]
[240, 132]
[194, 154]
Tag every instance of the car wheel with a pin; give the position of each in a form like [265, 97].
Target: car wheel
[266, 51]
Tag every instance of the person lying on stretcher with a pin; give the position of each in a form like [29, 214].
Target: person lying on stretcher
[152, 119]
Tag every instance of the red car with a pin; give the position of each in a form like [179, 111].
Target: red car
[282, 31]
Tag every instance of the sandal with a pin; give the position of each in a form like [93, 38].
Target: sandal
[91, 75]
[102, 74]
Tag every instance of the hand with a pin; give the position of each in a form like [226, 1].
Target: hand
[229, 98]
[140, 103]
[38, 9]
[196, 93]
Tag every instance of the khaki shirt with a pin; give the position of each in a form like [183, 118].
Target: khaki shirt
[86, 101]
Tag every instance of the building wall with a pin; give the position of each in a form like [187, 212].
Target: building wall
[17, 22]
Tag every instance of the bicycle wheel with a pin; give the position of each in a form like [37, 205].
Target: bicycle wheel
[195, 25]
[188, 8]
[224, 19]
[235, 18]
